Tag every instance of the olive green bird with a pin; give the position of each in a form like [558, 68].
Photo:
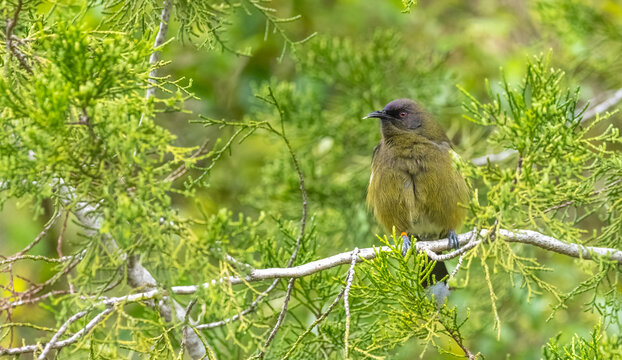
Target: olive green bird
[414, 185]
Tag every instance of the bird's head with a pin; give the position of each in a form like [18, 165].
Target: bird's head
[405, 116]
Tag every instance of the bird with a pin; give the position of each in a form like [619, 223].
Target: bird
[415, 186]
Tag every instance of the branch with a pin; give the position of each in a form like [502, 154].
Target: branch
[303, 223]
[235, 317]
[155, 55]
[11, 47]
[346, 302]
[458, 339]
[519, 236]
[483, 160]
[60, 333]
[603, 106]
[466, 240]
[279, 320]
[43, 232]
[159, 40]
[137, 275]
[342, 293]
[61, 344]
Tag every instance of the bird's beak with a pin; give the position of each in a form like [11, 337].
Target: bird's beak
[381, 114]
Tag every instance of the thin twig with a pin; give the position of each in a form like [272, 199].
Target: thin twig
[456, 337]
[235, 317]
[603, 106]
[14, 258]
[182, 169]
[60, 333]
[346, 301]
[63, 343]
[279, 321]
[301, 180]
[43, 232]
[23, 301]
[303, 222]
[155, 55]
[317, 321]
[59, 242]
[458, 265]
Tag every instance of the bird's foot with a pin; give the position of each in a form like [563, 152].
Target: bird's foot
[405, 243]
[454, 242]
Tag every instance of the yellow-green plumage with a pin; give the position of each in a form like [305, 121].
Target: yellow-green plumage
[415, 186]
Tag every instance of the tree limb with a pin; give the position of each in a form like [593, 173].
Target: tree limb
[155, 55]
[61, 344]
[467, 239]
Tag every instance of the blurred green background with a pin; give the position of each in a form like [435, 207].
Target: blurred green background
[365, 54]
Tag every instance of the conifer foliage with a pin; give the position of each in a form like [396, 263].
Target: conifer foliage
[195, 171]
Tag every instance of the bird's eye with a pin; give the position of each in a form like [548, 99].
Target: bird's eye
[403, 114]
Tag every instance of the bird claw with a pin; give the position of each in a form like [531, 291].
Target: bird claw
[454, 242]
[405, 244]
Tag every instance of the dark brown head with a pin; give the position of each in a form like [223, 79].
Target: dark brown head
[401, 113]
[404, 116]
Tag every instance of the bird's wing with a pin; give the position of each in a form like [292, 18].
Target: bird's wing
[373, 156]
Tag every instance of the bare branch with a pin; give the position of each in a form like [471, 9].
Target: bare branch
[60, 344]
[60, 333]
[155, 56]
[279, 320]
[519, 236]
[483, 160]
[603, 106]
[466, 240]
[346, 302]
[317, 321]
[235, 317]
[43, 232]
[159, 40]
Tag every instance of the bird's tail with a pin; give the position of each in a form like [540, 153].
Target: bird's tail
[436, 283]
[433, 284]
[439, 272]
